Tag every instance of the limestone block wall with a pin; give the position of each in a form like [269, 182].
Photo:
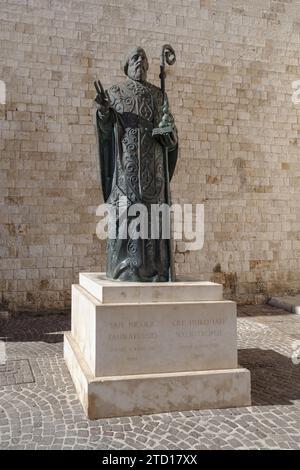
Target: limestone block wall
[231, 93]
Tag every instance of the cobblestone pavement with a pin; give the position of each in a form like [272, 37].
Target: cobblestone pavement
[39, 408]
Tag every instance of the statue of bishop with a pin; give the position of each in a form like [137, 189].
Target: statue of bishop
[133, 166]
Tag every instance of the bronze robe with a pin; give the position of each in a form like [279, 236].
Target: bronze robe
[132, 164]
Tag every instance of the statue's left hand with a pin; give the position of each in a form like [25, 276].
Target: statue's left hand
[168, 140]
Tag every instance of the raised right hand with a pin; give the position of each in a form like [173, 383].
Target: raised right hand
[102, 98]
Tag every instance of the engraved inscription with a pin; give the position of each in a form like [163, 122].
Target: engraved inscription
[139, 330]
[211, 327]
[132, 337]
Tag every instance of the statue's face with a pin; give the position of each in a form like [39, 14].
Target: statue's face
[137, 65]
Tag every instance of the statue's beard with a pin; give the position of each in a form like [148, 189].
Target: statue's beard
[137, 72]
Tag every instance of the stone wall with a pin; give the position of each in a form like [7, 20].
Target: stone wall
[231, 92]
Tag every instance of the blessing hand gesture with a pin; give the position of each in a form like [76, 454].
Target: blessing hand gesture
[102, 98]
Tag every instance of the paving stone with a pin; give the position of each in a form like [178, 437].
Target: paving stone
[15, 372]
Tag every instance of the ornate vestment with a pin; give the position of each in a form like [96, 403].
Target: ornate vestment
[132, 165]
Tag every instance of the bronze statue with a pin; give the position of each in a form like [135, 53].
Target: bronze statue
[137, 151]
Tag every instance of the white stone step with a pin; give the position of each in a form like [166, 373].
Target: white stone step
[107, 291]
[128, 395]
[290, 303]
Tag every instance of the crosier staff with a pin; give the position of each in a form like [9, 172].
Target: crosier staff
[166, 131]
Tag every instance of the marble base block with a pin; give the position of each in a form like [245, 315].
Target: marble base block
[138, 348]
[104, 397]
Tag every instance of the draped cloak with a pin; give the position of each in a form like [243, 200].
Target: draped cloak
[133, 165]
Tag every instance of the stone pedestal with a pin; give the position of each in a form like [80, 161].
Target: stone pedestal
[138, 348]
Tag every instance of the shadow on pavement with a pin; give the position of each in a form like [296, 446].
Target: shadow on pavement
[275, 380]
[46, 327]
[261, 310]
